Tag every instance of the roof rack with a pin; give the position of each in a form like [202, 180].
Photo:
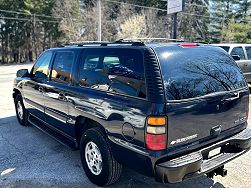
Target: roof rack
[152, 39]
[82, 43]
[101, 43]
[129, 41]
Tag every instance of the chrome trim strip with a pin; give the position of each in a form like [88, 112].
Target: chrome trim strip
[127, 145]
[55, 117]
[29, 104]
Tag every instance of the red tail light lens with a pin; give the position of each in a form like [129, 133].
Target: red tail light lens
[155, 141]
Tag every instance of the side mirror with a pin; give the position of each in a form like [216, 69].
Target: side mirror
[22, 73]
[236, 57]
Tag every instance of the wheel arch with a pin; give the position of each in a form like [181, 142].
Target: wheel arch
[84, 123]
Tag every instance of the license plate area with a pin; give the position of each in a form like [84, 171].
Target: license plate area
[214, 152]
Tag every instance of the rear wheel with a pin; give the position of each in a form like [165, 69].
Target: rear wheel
[97, 160]
[21, 112]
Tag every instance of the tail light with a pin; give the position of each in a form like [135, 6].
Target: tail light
[156, 138]
[188, 45]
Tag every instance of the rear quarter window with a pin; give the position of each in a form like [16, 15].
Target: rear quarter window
[195, 72]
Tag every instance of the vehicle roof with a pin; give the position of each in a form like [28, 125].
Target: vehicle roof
[125, 45]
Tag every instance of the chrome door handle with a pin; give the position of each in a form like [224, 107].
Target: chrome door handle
[62, 97]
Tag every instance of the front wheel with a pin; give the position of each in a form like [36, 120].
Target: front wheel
[21, 112]
[97, 160]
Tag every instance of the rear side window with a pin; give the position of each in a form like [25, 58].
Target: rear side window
[238, 51]
[62, 65]
[248, 50]
[195, 72]
[114, 70]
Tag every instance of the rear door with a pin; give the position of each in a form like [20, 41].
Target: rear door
[56, 91]
[205, 90]
[111, 90]
[243, 63]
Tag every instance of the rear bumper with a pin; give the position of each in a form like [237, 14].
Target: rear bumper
[198, 163]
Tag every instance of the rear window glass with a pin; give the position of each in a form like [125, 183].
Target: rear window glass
[195, 72]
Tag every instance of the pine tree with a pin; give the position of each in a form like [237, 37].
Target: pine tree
[25, 35]
[222, 11]
[194, 21]
[243, 10]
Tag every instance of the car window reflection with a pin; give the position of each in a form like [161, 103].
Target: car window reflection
[115, 70]
[190, 75]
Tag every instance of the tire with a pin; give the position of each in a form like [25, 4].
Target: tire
[110, 170]
[21, 112]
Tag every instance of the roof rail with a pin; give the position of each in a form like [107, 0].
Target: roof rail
[81, 43]
[133, 43]
[101, 43]
[152, 39]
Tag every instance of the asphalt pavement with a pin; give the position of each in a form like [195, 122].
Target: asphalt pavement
[30, 158]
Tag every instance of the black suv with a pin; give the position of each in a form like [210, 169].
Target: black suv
[170, 110]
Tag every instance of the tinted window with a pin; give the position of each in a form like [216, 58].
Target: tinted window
[62, 67]
[41, 67]
[195, 72]
[226, 48]
[115, 70]
[248, 50]
[238, 51]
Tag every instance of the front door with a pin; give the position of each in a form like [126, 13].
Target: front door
[33, 88]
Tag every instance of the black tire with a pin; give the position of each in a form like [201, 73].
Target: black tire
[24, 119]
[111, 169]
